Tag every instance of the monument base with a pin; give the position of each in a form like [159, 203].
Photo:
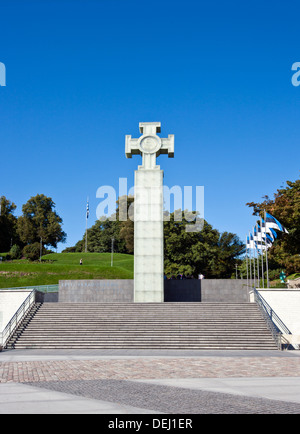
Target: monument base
[121, 291]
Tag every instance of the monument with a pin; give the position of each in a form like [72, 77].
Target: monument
[148, 211]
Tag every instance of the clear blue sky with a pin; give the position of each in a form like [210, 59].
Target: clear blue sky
[82, 74]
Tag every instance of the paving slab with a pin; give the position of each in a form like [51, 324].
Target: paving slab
[69, 354]
[171, 399]
[18, 398]
[276, 388]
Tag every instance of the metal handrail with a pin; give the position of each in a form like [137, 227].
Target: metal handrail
[16, 319]
[275, 324]
[272, 314]
[41, 288]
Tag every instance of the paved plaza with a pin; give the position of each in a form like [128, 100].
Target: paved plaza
[149, 382]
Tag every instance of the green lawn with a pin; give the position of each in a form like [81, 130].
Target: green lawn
[65, 266]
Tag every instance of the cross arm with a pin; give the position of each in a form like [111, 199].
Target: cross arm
[131, 147]
[167, 146]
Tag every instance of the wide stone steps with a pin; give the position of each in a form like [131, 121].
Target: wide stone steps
[148, 326]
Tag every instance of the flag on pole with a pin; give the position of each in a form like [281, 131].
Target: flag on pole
[260, 239]
[272, 222]
[250, 242]
[87, 209]
[270, 239]
[262, 246]
[268, 231]
[266, 237]
[258, 235]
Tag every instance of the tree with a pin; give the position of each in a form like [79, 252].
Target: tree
[126, 207]
[229, 249]
[99, 236]
[40, 223]
[8, 224]
[15, 252]
[207, 252]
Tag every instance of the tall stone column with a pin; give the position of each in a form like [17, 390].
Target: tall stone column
[148, 212]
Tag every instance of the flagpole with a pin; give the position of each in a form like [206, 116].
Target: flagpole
[247, 261]
[86, 219]
[252, 250]
[262, 255]
[257, 259]
[85, 234]
[267, 261]
[273, 225]
[257, 267]
[254, 277]
[250, 259]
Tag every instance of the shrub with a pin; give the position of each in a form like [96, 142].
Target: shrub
[32, 251]
[273, 274]
[292, 265]
[15, 252]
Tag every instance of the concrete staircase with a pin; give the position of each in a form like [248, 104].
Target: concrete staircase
[147, 326]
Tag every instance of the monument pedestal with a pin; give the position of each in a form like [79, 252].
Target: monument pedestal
[148, 236]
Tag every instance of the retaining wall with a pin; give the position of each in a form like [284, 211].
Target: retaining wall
[224, 291]
[98, 291]
[182, 290]
[187, 290]
[10, 301]
[286, 304]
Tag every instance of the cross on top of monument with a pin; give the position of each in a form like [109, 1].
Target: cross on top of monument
[149, 145]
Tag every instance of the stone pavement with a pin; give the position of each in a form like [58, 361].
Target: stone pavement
[149, 382]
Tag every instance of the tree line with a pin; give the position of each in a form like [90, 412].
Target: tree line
[209, 252]
[28, 235]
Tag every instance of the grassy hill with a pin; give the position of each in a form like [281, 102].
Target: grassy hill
[65, 266]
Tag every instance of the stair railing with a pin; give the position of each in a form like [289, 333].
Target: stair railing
[276, 326]
[40, 288]
[16, 319]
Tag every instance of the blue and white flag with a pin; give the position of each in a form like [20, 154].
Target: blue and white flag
[260, 245]
[87, 210]
[261, 233]
[268, 231]
[258, 235]
[261, 240]
[250, 242]
[272, 222]
[269, 239]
